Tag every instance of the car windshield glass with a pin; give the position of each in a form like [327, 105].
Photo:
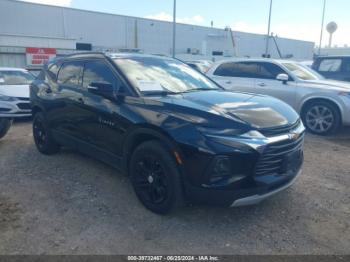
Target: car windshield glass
[302, 72]
[153, 74]
[15, 78]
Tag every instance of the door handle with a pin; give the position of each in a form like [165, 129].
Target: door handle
[228, 82]
[262, 84]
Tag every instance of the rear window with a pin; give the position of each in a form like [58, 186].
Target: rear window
[330, 65]
[12, 77]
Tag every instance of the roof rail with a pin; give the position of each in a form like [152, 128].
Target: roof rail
[84, 54]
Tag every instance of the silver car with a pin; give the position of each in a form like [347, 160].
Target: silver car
[324, 105]
[14, 92]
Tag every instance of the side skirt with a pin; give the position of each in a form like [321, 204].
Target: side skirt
[88, 149]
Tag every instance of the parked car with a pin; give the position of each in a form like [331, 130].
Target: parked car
[324, 105]
[14, 92]
[5, 124]
[333, 67]
[177, 134]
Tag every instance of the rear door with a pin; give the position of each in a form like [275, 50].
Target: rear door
[235, 76]
[68, 97]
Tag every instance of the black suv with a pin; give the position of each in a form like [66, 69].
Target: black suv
[177, 134]
[333, 67]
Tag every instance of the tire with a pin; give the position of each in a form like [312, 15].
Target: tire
[5, 125]
[321, 118]
[42, 136]
[155, 178]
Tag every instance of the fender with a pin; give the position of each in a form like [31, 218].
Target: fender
[322, 97]
[144, 133]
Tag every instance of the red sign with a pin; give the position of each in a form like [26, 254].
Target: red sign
[39, 56]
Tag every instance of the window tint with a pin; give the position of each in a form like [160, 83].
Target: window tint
[98, 71]
[250, 70]
[330, 65]
[237, 70]
[53, 71]
[347, 65]
[269, 71]
[15, 77]
[70, 73]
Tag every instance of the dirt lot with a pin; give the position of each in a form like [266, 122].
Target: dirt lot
[71, 204]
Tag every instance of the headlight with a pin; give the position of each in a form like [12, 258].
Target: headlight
[7, 98]
[241, 133]
[220, 132]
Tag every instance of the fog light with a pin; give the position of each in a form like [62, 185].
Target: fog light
[221, 168]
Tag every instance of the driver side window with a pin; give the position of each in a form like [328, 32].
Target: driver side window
[269, 71]
[99, 72]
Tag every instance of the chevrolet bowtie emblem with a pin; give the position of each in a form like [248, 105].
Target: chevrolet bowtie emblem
[294, 136]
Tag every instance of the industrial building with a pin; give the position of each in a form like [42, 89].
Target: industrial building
[32, 33]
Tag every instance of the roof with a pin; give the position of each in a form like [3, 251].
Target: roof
[12, 69]
[333, 56]
[111, 55]
[270, 60]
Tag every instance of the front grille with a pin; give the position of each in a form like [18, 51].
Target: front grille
[24, 106]
[2, 109]
[279, 130]
[274, 159]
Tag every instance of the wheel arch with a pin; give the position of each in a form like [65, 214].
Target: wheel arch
[310, 100]
[36, 109]
[143, 133]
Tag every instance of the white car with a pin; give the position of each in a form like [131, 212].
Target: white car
[14, 92]
[324, 105]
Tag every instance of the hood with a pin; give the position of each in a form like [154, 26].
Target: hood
[21, 91]
[329, 84]
[255, 110]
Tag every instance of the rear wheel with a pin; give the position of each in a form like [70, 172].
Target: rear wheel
[43, 139]
[155, 178]
[321, 118]
[5, 124]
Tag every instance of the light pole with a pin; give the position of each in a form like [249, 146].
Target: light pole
[321, 37]
[268, 31]
[174, 29]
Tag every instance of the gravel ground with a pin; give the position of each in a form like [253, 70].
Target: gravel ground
[72, 204]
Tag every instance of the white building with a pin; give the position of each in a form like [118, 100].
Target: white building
[66, 29]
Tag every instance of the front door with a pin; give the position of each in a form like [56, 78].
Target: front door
[265, 83]
[101, 120]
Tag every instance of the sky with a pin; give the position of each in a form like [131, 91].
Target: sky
[298, 19]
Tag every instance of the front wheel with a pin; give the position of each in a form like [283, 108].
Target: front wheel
[155, 178]
[5, 125]
[43, 139]
[321, 118]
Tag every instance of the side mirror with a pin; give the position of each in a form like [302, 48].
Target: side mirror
[102, 89]
[283, 77]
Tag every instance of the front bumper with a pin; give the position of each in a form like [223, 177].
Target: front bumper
[15, 109]
[272, 164]
[256, 199]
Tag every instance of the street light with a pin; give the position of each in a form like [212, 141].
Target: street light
[174, 29]
[321, 37]
[268, 31]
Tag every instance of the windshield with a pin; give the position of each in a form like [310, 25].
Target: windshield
[13, 77]
[153, 74]
[302, 72]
